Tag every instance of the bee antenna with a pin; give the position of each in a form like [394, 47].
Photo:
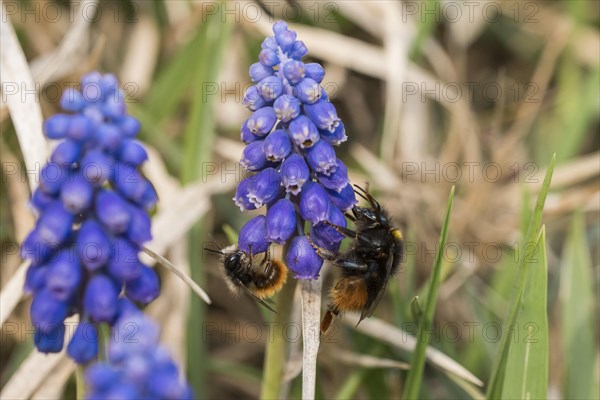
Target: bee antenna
[214, 251]
[367, 196]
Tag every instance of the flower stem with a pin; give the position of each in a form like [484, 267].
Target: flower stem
[275, 351]
[79, 383]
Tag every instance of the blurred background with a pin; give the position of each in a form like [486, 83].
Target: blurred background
[475, 94]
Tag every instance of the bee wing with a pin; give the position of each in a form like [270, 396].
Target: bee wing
[368, 311]
[258, 299]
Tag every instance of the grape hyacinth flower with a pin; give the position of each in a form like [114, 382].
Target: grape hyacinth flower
[290, 150]
[93, 208]
[137, 366]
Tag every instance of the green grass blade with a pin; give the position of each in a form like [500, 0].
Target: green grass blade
[526, 375]
[578, 319]
[198, 140]
[415, 375]
[526, 252]
[275, 351]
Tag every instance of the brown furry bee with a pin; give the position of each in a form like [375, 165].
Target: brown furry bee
[366, 268]
[260, 277]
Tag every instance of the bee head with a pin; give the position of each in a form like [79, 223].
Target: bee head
[370, 215]
[232, 261]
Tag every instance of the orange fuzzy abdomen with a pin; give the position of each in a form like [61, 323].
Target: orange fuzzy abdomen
[348, 294]
[275, 283]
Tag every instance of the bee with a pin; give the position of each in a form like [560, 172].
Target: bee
[367, 267]
[260, 277]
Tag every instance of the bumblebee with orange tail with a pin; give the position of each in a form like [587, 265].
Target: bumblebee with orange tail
[260, 277]
[367, 267]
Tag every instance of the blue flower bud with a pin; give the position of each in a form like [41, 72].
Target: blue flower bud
[80, 128]
[129, 126]
[308, 91]
[269, 43]
[253, 156]
[122, 390]
[35, 278]
[34, 249]
[241, 195]
[285, 39]
[91, 79]
[100, 299]
[259, 72]
[137, 368]
[132, 152]
[114, 105]
[109, 137]
[281, 221]
[265, 187]
[64, 274]
[50, 341]
[315, 72]
[252, 98]
[91, 89]
[149, 197]
[321, 158]
[323, 115]
[145, 288]
[112, 211]
[293, 71]
[83, 346]
[40, 200]
[124, 264]
[294, 173]
[304, 133]
[287, 107]
[97, 167]
[302, 259]
[298, 50]
[100, 376]
[253, 236]
[52, 177]
[336, 137]
[277, 145]
[166, 385]
[94, 114]
[56, 126]
[66, 153]
[130, 182]
[139, 231]
[270, 87]
[314, 203]
[326, 235]
[77, 194]
[279, 26]
[127, 308]
[336, 180]
[320, 239]
[268, 57]
[345, 199]
[93, 245]
[72, 100]
[247, 136]
[55, 225]
[135, 334]
[109, 83]
[262, 121]
[47, 312]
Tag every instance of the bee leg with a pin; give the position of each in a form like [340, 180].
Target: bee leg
[326, 322]
[344, 231]
[350, 233]
[335, 259]
[268, 267]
